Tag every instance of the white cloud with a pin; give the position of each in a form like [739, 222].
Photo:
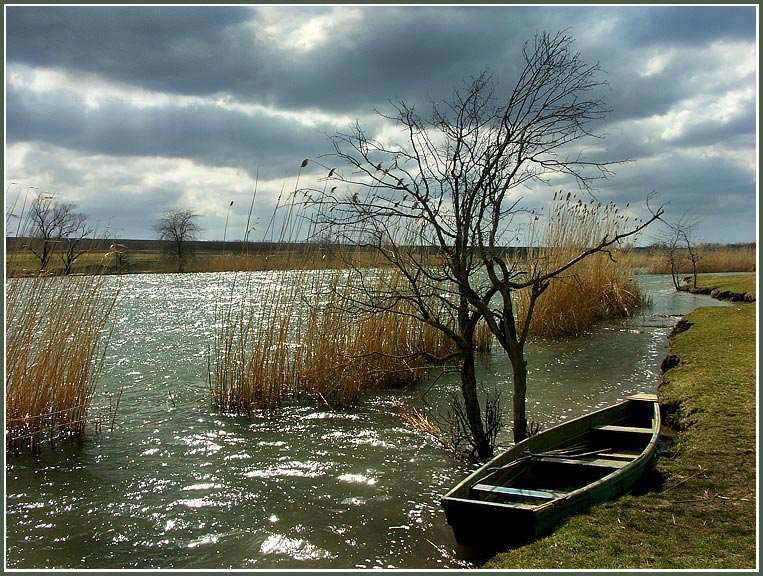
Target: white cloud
[656, 63]
[89, 89]
[696, 113]
[307, 30]
[130, 193]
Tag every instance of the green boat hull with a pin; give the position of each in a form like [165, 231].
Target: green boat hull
[523, 493]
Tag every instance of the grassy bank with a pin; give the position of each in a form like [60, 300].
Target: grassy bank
[698, 510]
[736, 287]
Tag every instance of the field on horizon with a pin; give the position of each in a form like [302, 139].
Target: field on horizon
[151, 256]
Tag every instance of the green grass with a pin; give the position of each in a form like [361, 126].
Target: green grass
[727, 287]
[698, 509]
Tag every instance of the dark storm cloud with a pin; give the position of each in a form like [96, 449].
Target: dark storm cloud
[622, 39]
[175, 49]
[714, 133]
[716, 191]
[408, 53]
[391, 52]
[207, 133]
[669, 25]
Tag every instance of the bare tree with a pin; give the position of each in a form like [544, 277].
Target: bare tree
[681, 246]
[180, 228]
[57, 226]
[444, 206]
[43, 230]
[72, 244]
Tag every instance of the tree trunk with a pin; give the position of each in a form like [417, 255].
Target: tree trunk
[47, 252]
[472, 406]
[674, 267]
[516, 352]
[520, 397]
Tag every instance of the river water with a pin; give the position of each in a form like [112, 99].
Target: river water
[175, 485]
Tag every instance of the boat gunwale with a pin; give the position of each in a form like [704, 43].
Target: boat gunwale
[542, 507]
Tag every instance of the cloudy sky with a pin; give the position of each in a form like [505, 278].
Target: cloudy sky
[130, 111]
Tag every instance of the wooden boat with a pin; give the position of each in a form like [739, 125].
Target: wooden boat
[521, 494]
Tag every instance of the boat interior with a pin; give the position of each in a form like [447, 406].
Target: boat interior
[537, 478]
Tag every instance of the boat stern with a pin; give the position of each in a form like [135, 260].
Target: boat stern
[488, 524]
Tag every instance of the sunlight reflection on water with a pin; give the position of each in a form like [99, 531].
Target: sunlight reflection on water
[177, 486]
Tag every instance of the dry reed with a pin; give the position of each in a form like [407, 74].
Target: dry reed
[711, 259]
[57, 330]
[600, 286]
[289, 336]
[420, 422]
[347, 352]
[253, 369]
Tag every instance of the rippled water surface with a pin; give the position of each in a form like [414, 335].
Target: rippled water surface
[175, 485]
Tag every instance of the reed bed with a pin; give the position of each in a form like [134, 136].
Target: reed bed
[712, 259]
[298, 335]
[346, 355]
[256, 328]
[262, 323]
[57, 330]
[290, 336]
[601, 286]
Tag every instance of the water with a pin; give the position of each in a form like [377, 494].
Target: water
[175, 485]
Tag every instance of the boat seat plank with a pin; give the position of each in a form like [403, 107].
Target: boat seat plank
[523, 492]
[620, 455]
[645, 396]
[611, 462]
[600, 462]
[631, 429]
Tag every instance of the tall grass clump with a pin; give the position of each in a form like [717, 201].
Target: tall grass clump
[298, 329]
[290, 336]
[257, 324]
[263, 319]
[57, 329]
[349, 351]
[350, 348]
[600, 286]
